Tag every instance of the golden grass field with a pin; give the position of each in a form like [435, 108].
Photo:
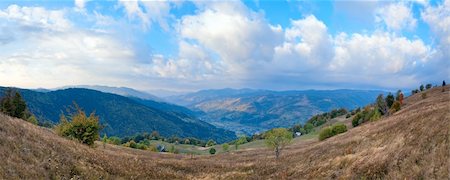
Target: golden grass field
[410, 144]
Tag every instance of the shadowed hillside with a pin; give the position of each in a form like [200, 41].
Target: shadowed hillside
[123, 116]
[413, 143]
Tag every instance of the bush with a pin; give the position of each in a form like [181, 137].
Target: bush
[395, 107]
[424, 95]
[210, 143]
[80, 127]
[32, 119]
[332, 131]
[225, 147]
[325, 133]
[356, 118]
[114, 140]
[428, 86]
[212, 151]
[339, 128]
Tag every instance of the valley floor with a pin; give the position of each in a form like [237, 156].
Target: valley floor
[411, 144]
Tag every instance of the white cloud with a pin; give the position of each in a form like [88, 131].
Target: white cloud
[36, 17]
[80, 4]
[438, 18]
[221, 40]
[238, 36]
[380, 53]
[307, 44]
[396, 16]
[148, 12]
[57, 53]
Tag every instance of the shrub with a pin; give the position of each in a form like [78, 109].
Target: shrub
[325, 133]
[32, 119]
[424, 95]
[348, 115]
[428, 86]
[421, 87]
[225, 147]
[356, 118]
[114, 140]
[80, 127]
[212, 151]
[395, 107]
[339, 128]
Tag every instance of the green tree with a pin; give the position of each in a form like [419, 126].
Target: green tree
[12, 104]
[241, 140]
[278, 138]
[210, 143]
[390, 100]
[308, 128]
[428, 86]
[104, 140]
[381, 104]
[421, 87]
[443, 83]
[225, 147]
[212, 151]
[80, 127]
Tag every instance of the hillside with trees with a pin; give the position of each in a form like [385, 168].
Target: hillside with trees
[120, 116]
[411, 143]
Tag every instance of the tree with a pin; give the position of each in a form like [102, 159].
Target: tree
[80, 127]
[104, 140]
[210, 143]
[155, 135]
[390, 100]
[241, 140]
[12, 104]
[428, 86]
[443, 83]
[421, 87]
[381, 104]
[225, 147]
[278, 138]
[308, 128]
[212, 151]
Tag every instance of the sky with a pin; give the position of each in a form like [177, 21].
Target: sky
[193, 45]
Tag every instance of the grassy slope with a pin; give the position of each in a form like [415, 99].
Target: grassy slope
[412, 143]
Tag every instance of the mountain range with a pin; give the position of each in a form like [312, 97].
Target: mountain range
[123, 116]
[248, 111]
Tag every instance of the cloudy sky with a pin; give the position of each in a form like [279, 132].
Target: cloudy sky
[177, 45]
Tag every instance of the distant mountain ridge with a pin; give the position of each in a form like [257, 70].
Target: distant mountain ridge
[123, 91]
[249, 111]
[123, 116]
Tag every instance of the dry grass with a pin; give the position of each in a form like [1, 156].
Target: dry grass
[411, 144]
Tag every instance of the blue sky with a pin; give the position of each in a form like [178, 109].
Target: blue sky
[192, 45]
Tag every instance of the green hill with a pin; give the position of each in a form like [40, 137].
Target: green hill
[120, 115]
